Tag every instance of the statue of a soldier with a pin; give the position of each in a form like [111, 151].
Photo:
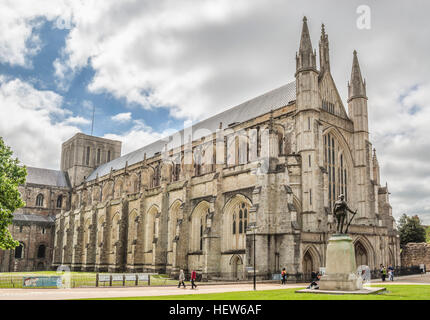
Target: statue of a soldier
[339, 211]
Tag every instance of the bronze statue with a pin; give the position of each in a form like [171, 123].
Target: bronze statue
[339, 211]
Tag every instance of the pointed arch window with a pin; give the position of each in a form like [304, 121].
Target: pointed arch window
[59, 201]
[156, 178]
[19, 251]
[239, 221]
[39, 200]
[41, 251]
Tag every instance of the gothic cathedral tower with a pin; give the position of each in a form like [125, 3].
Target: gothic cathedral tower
[82, 153]
[307, 129]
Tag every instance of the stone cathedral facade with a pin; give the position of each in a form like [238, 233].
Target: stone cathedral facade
[269, 169]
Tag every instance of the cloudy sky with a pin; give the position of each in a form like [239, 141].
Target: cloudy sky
[148, 66]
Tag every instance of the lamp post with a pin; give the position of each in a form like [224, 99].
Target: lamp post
[255, 276]
[254, 227]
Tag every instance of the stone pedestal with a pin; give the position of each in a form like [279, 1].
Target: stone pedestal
[340, 273]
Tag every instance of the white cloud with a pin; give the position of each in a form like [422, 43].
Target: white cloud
[138, 136]
[26, 123]
[122, 117]
[77, 120]
[18, 23]
[140, 52]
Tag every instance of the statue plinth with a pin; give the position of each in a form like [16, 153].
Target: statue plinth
[340, 271]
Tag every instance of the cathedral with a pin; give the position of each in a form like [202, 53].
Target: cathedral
[255, 182]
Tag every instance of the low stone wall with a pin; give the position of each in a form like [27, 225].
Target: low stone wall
[414, 254]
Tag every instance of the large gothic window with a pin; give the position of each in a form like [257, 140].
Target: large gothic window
[198, 226]
[235, 223]
[337, 169]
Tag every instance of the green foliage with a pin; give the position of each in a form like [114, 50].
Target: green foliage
[428, 234]
[411, 230]
[11, 175]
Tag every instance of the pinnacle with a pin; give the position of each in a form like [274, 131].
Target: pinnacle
[357, 85]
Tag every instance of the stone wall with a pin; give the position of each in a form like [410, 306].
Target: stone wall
[414, 254]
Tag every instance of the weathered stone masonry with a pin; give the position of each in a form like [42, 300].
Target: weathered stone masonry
[272, 165]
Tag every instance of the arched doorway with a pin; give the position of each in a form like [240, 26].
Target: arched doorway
[360, 255]
[237, 268]
[308, 266]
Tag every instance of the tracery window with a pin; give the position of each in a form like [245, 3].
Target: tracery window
[328, 106]
[240, 219]
[336, 166]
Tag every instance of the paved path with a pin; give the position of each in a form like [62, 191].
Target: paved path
[412, 279]
[82, 293]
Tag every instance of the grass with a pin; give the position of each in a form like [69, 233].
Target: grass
[78, 279]
[394, 292]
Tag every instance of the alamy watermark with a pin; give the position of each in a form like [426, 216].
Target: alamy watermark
[364, 20]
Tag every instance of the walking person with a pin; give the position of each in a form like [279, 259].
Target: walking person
[391, 273]
[383, 272]
[193, 279]
[284, 276]
[181, 279]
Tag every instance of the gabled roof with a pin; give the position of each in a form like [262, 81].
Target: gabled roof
[271, 100]
[47, 177]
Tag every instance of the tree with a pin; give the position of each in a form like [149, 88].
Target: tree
[411, 230]
[428, 234]
[11, 176]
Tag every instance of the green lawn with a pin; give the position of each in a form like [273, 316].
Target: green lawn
[78, 279]
[394, 292]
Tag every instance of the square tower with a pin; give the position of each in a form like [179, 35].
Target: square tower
[82, 153]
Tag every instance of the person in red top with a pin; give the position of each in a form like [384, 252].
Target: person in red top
[193, 279]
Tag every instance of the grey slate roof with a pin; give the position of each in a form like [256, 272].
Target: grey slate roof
[47, 177]
[271, 100]
[32, 218]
